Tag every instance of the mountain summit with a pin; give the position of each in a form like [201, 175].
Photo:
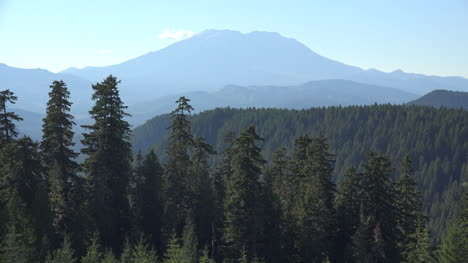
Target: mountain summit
[215, 58]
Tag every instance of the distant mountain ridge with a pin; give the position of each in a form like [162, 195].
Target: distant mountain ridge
[215, 58]
[317, 93]
[443, 98]
[261, 69]
[31, 86]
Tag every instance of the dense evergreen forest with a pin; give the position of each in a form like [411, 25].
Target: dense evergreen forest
[435, 139]
[335, 184]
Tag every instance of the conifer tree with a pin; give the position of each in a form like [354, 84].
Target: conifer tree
[7, 126]
[223, 171]
[360, 242]
[142, 253]
[93, 253]
[148, 203]
[315, 213]
[419, 249]
[272, 180]
[378, 206]
[242, 221]
[109, 257]
[126, 256]
[347, 205]
[454, 245]
[189, 250]
[22, 191]
[64, 254]
[57, 141]
[408, 205]
[203, 189]
[19, 242]
[108, 164]
[178, 194]
[173, 252]
[205, 258]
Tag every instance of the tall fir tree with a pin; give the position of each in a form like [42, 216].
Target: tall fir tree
[378, 206]
[270, 211]
[454, 245]
[178, 194]
[204, 209]
[315, 212]
[22, 183]
[93, 253]
[19, 242]
[59, 158]
[7, 118]
[173, 252]
[64, 254]
[409, 207]
[242, 219]
[419, 249]
[222, 172]
[189, 250]
[148, 199]
[348, 207]
[107, 165]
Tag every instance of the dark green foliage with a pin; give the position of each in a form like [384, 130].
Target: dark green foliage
[454, 246]
[65, 254]
[147, 198]
[419, 249]
[378, 207]
[242, 202]
[109, 258]
[408, 205]
[205, 258]
[173, 253]
[93, 253]
[7, 126]
[443, 98]
[203, 189]
[58, 156]
[23, 194]
[108, 164]
[348, 207]
[314, 211]
[142, 253]
[189, 250]
[19, 241]
[246, 210]
[178, 193]
[360, 243]
[433, 138]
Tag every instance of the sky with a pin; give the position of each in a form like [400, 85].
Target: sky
[420, 36]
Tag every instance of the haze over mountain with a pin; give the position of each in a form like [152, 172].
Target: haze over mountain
[443, 98]
[317, 93]
[219, 68]
[215, 58]
[31, 86]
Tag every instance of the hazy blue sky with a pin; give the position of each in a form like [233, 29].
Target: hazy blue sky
[423, 36]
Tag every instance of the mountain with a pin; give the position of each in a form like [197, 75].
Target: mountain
[215, 58]
[31, 86]
[443, 98]
[311, 94]
[31, 124]
[431, 137]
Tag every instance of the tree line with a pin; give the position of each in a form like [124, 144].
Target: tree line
[121, 207]
[434, 139]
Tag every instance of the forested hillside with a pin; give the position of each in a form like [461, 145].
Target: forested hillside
[345, 188]
[443, 98]
[436, 139]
